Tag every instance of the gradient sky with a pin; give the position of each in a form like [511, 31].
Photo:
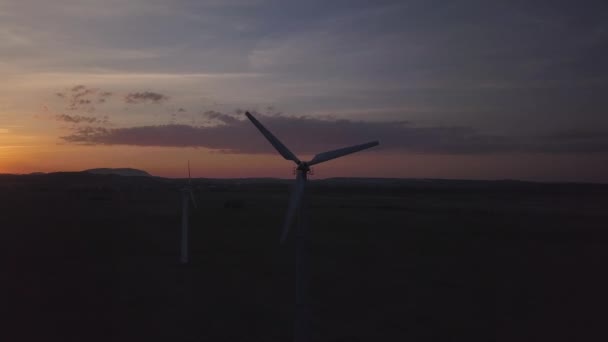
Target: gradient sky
[467, 89]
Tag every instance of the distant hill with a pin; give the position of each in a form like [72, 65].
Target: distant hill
[120, 172]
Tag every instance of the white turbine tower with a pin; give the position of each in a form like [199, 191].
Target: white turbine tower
[187, 196]
[297, 203]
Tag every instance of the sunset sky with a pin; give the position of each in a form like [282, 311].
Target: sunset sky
[451, 89]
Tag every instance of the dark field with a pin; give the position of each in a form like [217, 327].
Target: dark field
[95, 258]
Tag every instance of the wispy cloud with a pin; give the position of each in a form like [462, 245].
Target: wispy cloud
[83, 98]
[216, 116]
[103, 96]
[146, 97]
[77, 119]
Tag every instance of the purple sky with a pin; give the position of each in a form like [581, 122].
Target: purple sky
[519, 83]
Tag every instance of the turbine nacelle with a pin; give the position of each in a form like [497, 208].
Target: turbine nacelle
[303, 166]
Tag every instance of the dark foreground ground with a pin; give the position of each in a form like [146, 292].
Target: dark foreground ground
[95, 258]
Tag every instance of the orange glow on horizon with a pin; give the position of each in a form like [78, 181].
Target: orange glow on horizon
[38, 149]
[172, 162]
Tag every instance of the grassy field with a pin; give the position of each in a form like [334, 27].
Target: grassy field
[95, 258]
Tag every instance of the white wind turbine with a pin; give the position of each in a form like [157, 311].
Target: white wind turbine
[297, 204]
[187, 196]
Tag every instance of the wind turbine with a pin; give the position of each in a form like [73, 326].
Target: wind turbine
[297, 204]
[187, 196]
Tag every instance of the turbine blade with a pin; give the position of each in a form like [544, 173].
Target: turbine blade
[294, 204]
[192, 199]
[329, 155]
[278, 145]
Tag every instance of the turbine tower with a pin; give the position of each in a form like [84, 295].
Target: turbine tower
[187, 196]
[297, 204]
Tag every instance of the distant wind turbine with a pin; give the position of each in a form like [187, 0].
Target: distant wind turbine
[187, 196]
[297, 204]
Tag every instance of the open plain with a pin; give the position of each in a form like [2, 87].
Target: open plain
[96, 258]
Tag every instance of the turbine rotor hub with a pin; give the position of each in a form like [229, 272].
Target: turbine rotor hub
[303, 166]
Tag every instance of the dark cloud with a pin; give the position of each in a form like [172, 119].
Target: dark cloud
[181, 110]
[82, 91]
[77, 119]
[85, 135]
[78, 88]
[220, 117]
[103, 96]
[83, 98]
[146, 97]
[80, 98]
[312, 135]
[302, 134]
[574, 140]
